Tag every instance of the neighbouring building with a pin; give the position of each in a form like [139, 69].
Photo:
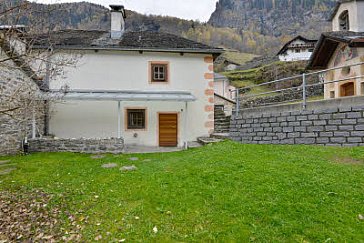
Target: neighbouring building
[224, 93]
[342, 47]
[297, 49]
[149, 88]
[230, 65]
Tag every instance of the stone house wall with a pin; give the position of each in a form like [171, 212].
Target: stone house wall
[17, 92]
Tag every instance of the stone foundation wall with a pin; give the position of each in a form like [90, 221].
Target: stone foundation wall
[337, 122]
[112, 145]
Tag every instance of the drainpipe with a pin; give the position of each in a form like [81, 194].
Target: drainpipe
[185, 126]
[119, 119]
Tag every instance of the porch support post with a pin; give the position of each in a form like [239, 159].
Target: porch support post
[119, 119]
[33, 124]
[185, 126]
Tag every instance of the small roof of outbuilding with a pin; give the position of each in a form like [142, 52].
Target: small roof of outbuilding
[299, 37]
[141, 40]
[328, 43]
[218, 76]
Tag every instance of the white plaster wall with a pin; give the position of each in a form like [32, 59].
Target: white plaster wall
[129, 71]
[356, 16]
[99, 119]
[223, 87]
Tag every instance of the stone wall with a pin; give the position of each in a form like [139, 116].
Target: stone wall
[285, 96]
[112, 145]
[329, 122]
[17, 104]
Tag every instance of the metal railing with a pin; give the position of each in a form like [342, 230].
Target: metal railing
[301, 87]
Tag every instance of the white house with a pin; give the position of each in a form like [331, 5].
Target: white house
[223, 87]
[341, 47]
[297, 49]
[224, 93]
[150, 88]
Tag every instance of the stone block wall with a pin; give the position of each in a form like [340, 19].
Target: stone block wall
[82, 145]
[330, 122]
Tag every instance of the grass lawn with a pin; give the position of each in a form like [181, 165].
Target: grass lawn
[224, 192]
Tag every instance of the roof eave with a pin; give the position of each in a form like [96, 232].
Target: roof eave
[311, 63]
[174, 50]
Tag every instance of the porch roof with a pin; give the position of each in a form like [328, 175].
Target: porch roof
[120, 95]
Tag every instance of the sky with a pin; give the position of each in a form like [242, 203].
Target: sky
[186, 9]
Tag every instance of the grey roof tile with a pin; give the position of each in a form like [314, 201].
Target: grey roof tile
[130, 40]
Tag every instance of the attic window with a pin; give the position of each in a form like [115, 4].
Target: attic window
[344, 20]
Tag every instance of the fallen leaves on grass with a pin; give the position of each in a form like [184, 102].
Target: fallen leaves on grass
[27, 217]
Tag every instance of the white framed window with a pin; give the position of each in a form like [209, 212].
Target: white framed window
[159, 72]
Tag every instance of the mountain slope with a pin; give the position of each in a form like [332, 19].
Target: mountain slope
[264, 23]
[253, 26]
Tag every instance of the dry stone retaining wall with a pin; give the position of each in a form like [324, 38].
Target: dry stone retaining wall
[82, 145]
[331, 122]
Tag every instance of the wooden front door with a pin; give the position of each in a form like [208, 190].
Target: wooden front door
[348, 89]
[168, 130]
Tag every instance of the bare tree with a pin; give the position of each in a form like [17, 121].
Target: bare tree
[24, 71]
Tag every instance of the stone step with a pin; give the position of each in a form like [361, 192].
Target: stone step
[221, 131]
[222, 118]
[208, 140]
[220, 135]
[222, 121]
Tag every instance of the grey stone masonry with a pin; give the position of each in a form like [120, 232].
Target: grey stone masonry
[329, 122]
[82, 145]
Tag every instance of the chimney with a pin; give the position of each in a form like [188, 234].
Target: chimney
[117, 21]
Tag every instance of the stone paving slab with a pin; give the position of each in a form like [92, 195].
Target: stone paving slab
[98, 156]
[109, 166]
[128, 168]
[130, 149]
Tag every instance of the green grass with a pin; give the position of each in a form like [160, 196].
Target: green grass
[238, 57]
[226, 192]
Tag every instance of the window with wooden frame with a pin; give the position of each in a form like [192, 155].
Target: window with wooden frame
[159, 72]
[135, 119]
